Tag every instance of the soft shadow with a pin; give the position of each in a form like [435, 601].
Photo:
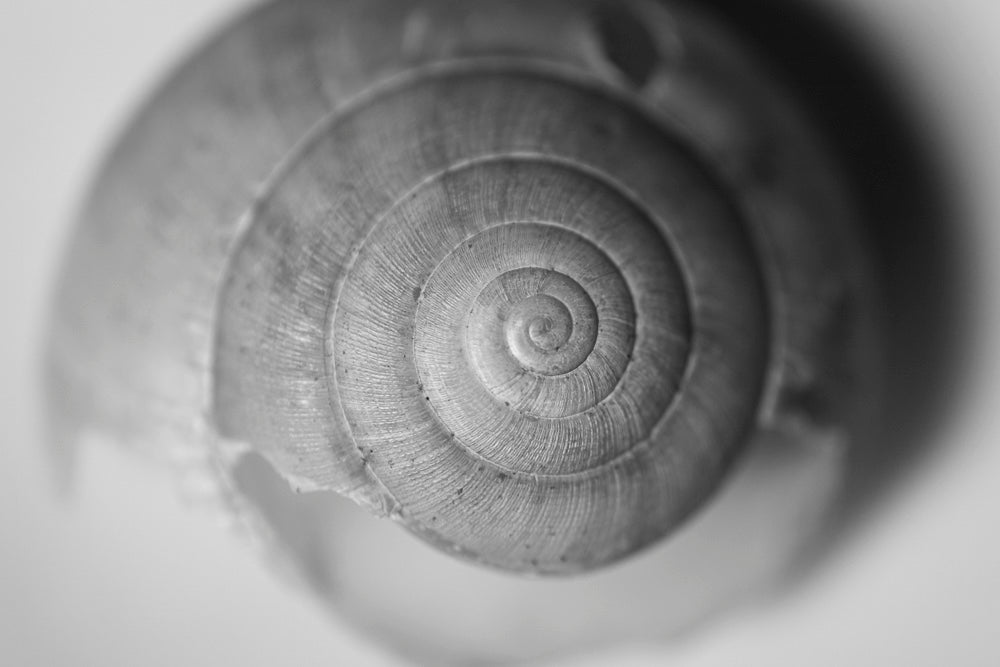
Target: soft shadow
[912, 218]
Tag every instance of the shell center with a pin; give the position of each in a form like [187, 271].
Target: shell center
[538, 327]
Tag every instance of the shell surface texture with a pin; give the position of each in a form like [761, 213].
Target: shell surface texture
[530, 278]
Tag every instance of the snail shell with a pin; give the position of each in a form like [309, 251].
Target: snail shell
[527, 277]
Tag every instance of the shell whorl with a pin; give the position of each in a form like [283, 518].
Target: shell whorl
[525, 276]
[510, 291]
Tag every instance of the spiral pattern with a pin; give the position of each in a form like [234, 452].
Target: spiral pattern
[529, 307]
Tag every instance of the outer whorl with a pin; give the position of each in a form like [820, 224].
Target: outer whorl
[527, 277]
[529, 310]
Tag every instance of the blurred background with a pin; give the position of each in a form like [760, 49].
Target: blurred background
[124, 571]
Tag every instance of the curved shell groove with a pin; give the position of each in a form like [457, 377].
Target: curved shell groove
[451, 188]
[528, 295]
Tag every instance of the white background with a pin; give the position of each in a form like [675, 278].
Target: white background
[124, 573]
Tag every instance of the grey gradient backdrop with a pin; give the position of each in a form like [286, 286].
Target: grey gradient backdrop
[126, 572]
